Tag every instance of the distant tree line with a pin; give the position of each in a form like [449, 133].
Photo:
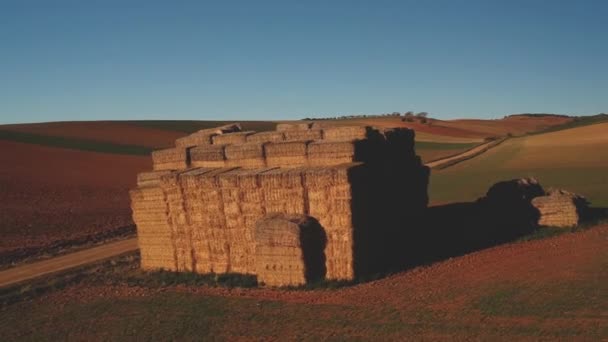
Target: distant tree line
[405, 116]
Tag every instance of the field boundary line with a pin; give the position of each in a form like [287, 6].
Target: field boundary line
[446, 162]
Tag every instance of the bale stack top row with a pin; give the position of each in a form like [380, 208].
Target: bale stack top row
[291, 145]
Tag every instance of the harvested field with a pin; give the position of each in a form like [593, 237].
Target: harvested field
[574, 159]
[105, 131]
[430, 151]
[511, 292]
[449, 130]
[49, 195]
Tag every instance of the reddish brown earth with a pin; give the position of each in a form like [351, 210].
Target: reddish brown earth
[545, 289]
[50, 194]
[467, 128]
[115, 132]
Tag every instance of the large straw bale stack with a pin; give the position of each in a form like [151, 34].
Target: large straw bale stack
[231, 138]
[288, 250]
[303, 135]
[286, 154]
[170, 159]
[248, 155]
[208, 156]
[346, 132]
[198, 210]
[151, 178]
[293, 126]
[559, 208]
[264, 137]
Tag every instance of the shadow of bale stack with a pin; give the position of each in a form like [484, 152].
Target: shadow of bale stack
[362, 185]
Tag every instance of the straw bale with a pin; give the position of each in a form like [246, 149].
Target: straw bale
[170, 159]
[303, 135]
[208, 156]
[281, 178]
[286, 154]
[293, 126]
[194, 139]
[346, 132]
[248, 155]
[231, 138]
[280, 249]
[151, 178]
[324, 153]
[264, 137]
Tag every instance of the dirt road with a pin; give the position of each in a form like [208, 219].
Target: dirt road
[464, 155]
[61, 263]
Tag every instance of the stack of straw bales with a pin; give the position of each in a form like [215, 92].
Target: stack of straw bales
[280, 255]
[559, 208]
[199, 209]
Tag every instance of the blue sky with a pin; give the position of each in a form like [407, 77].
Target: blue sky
[92, 60]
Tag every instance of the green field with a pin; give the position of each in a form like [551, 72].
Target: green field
[430, 151]
[579, 168]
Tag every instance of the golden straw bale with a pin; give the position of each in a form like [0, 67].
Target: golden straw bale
[263, 137]
[151, 178]
[248, 155]
[303, 135]
[325, 153]
[208, 156]
[231, 138]
[286, 154]
[170, 159]
[194, 139]
[346, 132]
[293, 126]
[281, 178]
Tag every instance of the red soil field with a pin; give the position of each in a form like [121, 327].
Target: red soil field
[515, 125]
[470, 128]
[49, 194]
[533, 290]
[115, 132]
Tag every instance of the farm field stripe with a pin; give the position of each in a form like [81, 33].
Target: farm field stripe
[74, 143]
[61, 263]
[466, 155]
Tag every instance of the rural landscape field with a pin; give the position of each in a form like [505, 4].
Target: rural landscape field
[74, 195]
[303, 170]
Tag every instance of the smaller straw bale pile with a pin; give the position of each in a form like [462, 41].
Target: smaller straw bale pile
[560, 208]
[288, 250]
